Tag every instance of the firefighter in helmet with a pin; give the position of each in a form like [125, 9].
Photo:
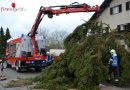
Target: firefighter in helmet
[113, 66]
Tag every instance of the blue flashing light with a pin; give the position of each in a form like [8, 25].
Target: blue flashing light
[32, 62]
[43, 61]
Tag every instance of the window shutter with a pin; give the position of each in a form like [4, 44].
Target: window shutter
[127, 5]
[111, 11]
[118, 27]
[120, 8]
[128, 26]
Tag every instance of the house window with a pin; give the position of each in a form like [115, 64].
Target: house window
[128, 5]
[115, 10]
[121, 27]
[124, 27]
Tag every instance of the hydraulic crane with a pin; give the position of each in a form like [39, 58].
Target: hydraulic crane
[50, 11]
[22, 52]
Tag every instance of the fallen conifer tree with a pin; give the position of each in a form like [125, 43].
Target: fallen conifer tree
[84, 64]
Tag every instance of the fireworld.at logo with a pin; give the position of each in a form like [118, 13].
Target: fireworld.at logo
[13, 5]
[12, 8]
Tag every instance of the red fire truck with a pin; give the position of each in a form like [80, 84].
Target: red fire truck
[26, 51]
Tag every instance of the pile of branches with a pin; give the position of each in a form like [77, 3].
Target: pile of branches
[84, 64]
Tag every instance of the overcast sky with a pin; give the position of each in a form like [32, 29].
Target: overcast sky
[20, 22]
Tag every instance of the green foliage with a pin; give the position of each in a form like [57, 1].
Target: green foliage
[54, 77]
[3, 39]
[2, 46]
[7, 34]
[84, 64]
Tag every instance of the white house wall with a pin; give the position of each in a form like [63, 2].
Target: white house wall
[117, 19]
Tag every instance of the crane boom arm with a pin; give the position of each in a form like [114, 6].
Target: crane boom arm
[52, 10]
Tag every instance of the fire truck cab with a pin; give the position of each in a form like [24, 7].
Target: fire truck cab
[19, 49]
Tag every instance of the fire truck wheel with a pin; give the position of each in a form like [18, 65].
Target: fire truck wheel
[8, 65]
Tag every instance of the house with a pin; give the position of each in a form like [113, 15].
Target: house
[116, 13]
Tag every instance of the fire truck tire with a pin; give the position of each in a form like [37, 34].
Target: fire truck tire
[18, 69]
[8, 65]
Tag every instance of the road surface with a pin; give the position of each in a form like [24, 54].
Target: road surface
[111, 87]
[11, 74]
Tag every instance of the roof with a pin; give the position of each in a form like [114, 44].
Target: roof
[103, 6]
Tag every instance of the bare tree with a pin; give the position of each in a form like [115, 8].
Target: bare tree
[53, 39]
[58, 37]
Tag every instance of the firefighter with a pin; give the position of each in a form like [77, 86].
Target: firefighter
[48, 59]
[113, 66]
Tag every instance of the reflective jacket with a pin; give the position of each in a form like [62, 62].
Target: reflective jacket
[114, 60]
[49, 58]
